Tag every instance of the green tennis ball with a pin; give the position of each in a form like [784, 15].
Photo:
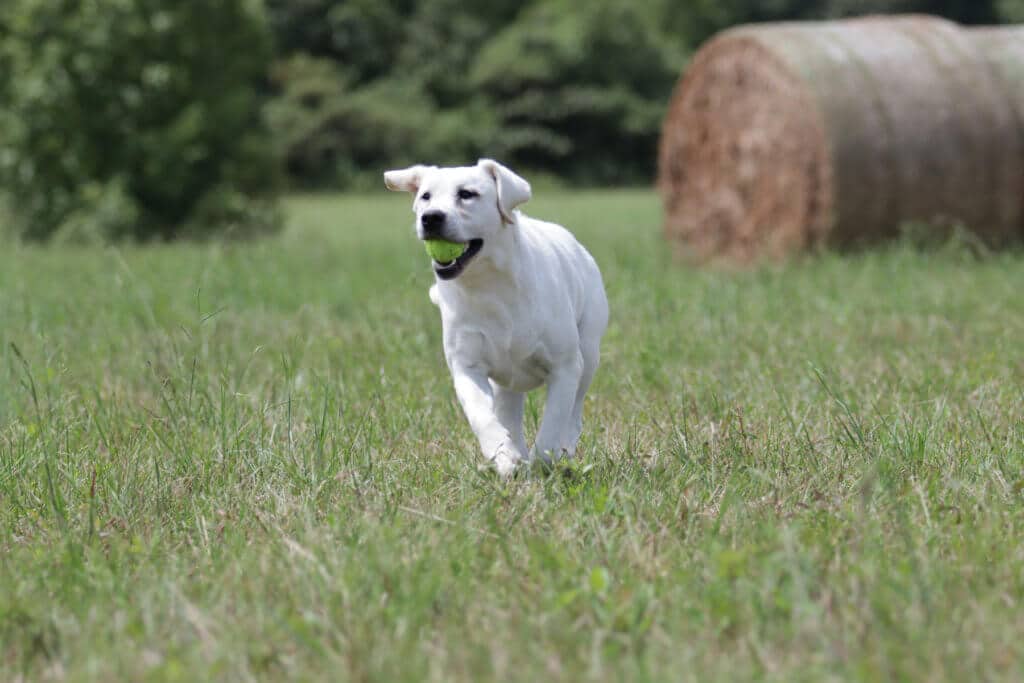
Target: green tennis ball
[443, 251]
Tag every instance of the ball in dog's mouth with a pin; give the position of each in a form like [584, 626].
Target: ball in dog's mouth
[450, 269]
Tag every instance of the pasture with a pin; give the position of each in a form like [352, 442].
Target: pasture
[245, 461]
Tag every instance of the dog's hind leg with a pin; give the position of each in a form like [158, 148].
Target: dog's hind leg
[508, 408]
[591, 359]
[563, 384]
[591, 329]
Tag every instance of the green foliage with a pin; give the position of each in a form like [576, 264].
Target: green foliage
[361, 36]
[965, 11]
[152, 109]
[131, 118]
[330, 135]
[1011, 10]
[442, 46]
[578, 90]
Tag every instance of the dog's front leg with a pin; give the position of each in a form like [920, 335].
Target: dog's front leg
[477, 400]
[563, 384]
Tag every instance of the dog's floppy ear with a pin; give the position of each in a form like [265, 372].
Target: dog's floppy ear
[406, 179]
[512, 190]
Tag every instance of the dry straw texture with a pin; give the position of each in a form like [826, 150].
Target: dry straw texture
[1003, 50]
[783, 137]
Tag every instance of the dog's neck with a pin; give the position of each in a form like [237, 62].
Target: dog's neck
[498, 263]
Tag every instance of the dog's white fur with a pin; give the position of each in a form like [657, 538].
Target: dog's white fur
[528, 309]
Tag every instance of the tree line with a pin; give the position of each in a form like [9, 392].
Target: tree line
[164, 118]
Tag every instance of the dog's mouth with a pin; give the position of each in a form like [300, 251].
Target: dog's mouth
[452, 269]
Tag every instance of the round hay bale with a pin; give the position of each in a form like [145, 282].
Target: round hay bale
[783, 137]
[1003, 50]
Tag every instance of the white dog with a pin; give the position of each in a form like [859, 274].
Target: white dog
[524, 305]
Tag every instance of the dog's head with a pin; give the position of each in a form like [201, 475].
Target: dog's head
[470, 205]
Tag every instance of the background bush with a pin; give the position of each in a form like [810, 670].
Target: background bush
[134, 118]
[158, 118]
[577, 90]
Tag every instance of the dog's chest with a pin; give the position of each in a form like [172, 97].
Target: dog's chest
[499, 337]
[517, 370]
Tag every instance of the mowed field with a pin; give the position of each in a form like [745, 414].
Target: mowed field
[246, 461]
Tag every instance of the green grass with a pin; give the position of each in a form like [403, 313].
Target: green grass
[247, 462]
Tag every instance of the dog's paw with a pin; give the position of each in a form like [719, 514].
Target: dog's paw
[506, 459]
[505, 467]
[550, 456]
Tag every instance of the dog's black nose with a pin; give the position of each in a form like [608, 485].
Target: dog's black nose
[433, 223]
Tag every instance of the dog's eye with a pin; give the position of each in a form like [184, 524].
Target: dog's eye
[425, 196]
[468, 194]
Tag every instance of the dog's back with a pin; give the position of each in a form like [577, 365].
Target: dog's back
[569, 268]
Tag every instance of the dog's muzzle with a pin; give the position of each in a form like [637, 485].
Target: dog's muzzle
[433, 224]
[450, 271]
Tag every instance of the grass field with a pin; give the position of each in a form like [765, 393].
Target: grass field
[246, 462]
